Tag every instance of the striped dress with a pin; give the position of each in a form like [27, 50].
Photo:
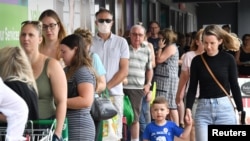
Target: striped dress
[166, 78]
[80, 123]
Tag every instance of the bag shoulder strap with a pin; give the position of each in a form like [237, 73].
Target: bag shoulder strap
[215, 79]
[211, 73]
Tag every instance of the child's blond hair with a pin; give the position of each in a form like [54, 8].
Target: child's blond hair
[160, 100]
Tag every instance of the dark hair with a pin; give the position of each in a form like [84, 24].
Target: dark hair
[244, 38]
[103, 10]
[81, 57]
[193, 34]
[180, 37]
[226, 26]
[151, 22]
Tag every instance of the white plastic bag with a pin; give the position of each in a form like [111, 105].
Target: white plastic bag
[8, 138]
[109, 130]
[49, 135]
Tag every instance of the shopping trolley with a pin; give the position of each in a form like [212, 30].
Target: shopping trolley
[38, 130]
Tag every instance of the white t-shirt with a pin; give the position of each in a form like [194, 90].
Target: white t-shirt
[15, 109]
[186, 64]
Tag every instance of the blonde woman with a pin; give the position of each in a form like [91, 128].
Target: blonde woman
[17, 73]
[14, 111]
[166, 70]
[50, 77]
[214, 107]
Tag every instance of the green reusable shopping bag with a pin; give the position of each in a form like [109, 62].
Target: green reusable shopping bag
[128, 110]
[65, 134]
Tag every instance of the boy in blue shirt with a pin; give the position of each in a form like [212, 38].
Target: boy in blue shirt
[161, 129]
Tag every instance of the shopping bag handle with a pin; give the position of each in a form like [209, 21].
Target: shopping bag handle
[105, 93]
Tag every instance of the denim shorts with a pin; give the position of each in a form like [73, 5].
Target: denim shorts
[212, 111]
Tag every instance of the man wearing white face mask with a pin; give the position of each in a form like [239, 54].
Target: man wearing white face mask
[114, 53]
[104, 25]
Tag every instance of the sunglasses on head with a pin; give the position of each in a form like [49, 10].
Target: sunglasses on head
[106, 20]
[39, 23]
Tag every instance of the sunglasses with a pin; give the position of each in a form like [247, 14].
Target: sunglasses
[104, 20]
[38, 23]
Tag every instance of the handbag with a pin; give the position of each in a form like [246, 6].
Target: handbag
[128, 110]
[223, 89]
[102, 107]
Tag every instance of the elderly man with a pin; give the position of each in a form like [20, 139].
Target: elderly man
[139, 75]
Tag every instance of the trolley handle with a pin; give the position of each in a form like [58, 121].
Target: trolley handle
[44, 121]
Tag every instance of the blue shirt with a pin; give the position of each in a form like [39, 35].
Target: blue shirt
[154, 132]
[97, 64]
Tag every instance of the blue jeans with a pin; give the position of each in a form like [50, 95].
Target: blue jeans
[210, 112]
[145, 117]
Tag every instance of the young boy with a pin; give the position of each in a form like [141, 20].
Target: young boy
[161, 129]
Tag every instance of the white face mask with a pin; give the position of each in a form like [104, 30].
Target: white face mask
[104, 27]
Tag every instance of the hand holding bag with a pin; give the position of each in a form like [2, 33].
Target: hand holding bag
[243, 113]
[103, 108]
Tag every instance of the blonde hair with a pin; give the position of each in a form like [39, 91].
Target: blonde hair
[229, 41]
[15, 65]
[86, 35]
[36, 24]
[169, 36]
[160, 100]
[198, 36]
